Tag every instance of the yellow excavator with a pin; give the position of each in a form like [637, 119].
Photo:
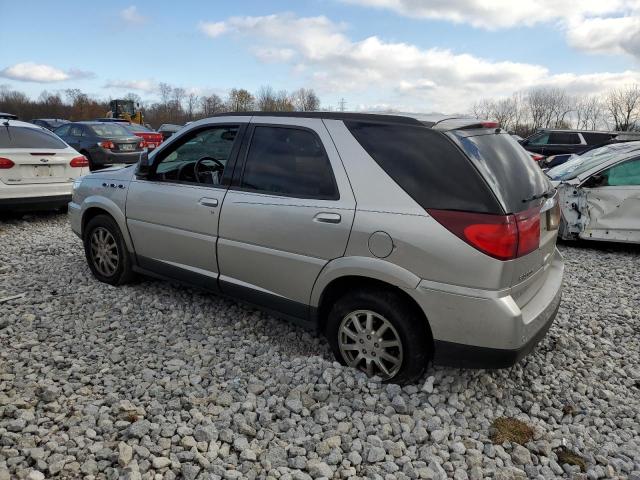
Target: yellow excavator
[126, 110]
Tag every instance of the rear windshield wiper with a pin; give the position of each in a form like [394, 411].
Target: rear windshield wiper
[547, 194]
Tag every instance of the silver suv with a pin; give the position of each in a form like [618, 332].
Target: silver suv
[402, 239]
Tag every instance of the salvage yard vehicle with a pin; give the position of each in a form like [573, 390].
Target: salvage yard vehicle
[324, 218]
[600, 196]
[104, 144]
[627, 146]
[151, 139]
[555, 142]
[37, 169]
[49, 123]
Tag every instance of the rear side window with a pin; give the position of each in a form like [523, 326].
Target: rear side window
[596, 138]
[26, 137]
[624, 174]
[508, 168]
[290, 162]
[426, 165]
[564, 138]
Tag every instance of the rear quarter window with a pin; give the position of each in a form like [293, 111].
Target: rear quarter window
[564, 138]
[27, 137]
[427, 165]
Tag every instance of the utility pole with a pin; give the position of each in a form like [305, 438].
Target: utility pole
[342, 104]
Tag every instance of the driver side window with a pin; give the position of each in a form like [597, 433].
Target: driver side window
[199, 158]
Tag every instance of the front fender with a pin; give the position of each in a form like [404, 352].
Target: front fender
[110, 207]
[366, 267]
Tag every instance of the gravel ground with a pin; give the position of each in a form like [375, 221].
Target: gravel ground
[157, 381]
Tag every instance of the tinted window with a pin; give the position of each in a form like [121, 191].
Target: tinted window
[508, 168]
[288, 161]
[595, 138]
[564, 138]
[26, 137]
[61, 131]
[200, 157]
[539, 139]
[627, 173]
[110, 130]
[76, 131]
[426, 165]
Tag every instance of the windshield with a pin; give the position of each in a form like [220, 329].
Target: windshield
[582, 163]
[110, 130]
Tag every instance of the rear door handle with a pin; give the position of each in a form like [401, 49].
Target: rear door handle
[209, 202]
[327, 218]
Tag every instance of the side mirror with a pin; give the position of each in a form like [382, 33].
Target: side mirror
[594, 181]
[143, 170]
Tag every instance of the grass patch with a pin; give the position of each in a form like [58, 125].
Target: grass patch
[572, 458]
[507, 429]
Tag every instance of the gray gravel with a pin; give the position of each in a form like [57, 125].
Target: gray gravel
[157, 381]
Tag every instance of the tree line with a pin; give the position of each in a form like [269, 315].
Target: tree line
[175, 104]
[525, 112]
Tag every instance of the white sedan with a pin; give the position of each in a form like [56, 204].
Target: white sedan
[37, 169]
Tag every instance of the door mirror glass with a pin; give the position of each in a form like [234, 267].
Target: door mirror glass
[144, 165]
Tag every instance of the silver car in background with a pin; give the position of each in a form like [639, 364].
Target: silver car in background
[402, 239]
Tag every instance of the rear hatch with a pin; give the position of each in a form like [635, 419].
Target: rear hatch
[523, 191]
[34, 156]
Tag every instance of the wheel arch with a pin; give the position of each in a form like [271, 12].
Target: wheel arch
[93, 206]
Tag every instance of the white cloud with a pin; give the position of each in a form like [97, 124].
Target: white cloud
[148, 86]
[40, 73]
[408, 76]
[132, 16]
[616, 35]
[495, 14]
[213, 29]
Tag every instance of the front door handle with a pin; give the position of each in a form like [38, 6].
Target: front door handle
[209, 202]
[327, 218]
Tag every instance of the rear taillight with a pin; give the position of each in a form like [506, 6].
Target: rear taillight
[490, 124]
[107, 144]
[142, 144]
[5, 163]
[528, 231]
[504, 237]
[80, 161]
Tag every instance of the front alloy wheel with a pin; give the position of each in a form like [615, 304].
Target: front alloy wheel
[369, 342]
[104, 252]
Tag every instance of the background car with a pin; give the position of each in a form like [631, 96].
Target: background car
[49, 123]
[37, 168]
[151, 138]
[553, 142]
[626, 146]
[103, 143]
[8, 116]
[168, 129]
[600, 196]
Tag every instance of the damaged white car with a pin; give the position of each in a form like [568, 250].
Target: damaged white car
[600, 197]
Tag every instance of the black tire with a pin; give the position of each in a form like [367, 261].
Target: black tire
[122, 273]
[410, 326]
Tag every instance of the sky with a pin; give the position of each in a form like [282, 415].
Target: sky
[408, 55]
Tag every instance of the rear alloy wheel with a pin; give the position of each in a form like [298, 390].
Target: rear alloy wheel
[106, 251]
[369, 342]
[379, 332]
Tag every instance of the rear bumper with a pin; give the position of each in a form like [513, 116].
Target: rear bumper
[102, 158]
[40, 196]
[487, 329]
[34, 203]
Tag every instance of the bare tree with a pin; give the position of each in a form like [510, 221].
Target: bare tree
[283, 102]
[192, 102]
[211, 105]
[240, 100]
[266, 99]
[165, 92]
[588, 112]
[305, 100]
[623, 106]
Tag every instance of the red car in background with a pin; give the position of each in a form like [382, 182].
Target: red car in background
[152, 139]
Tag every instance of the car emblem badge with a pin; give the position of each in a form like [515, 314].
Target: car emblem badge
[44, 160]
